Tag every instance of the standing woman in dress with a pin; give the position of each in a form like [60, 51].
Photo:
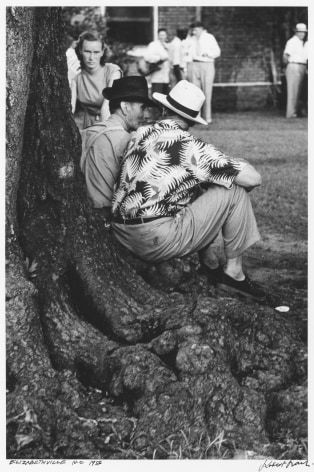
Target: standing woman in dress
[94, 75]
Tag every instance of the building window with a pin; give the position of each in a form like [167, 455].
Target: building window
[130, 24]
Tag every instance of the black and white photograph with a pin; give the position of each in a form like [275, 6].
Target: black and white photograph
[156, 236]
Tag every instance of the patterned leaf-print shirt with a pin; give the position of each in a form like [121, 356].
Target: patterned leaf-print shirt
[163, 168]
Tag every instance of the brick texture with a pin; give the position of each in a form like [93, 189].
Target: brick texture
[251, 41]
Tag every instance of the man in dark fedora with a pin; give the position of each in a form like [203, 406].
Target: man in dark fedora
[103, 144]
[176, 193]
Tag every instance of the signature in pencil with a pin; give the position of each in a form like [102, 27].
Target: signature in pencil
[270, 463]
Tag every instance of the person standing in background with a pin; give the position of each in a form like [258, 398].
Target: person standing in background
[157, 54]
[88, 81]
[186, 56]
[73, 62]
[295, 56]
[204, 51]
[175, 46]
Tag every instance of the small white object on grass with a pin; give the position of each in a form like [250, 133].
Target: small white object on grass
[283, 309]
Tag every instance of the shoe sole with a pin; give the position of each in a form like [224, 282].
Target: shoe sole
[225, 289]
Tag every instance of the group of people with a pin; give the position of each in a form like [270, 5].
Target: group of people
[190, 55]
[165, 192]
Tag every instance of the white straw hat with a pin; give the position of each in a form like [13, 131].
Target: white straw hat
[301, 28]
[186, 99]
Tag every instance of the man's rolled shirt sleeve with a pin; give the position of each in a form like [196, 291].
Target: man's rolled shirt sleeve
[210, 165]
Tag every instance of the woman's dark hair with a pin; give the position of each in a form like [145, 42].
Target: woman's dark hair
[91, 35]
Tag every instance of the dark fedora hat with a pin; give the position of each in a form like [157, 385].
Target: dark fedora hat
[132, 88]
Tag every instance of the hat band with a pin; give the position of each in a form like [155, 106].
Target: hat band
[182, 108]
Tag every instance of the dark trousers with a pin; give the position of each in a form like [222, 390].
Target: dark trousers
[177, 73]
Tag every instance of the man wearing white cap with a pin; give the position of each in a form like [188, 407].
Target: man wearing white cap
[176, 193]
[295, 56]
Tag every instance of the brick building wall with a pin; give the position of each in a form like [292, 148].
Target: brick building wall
[251, 41]
[173, 18]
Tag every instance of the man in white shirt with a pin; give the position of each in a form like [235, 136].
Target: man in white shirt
[157, 53]
[175, 57]
[186, 57]
[295, 56]
[204, 51]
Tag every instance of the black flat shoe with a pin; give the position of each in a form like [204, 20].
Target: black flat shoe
[246, 288]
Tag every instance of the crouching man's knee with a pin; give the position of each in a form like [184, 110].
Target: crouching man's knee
[248, 178]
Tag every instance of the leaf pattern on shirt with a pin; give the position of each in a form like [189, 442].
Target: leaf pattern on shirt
[131, 203]
[163, 168]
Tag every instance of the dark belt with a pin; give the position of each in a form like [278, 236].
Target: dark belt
[136, 221]
[300, 63]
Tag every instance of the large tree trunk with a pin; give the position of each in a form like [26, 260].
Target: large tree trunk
[99, 363]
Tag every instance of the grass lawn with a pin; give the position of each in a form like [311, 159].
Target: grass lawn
[277, 147]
